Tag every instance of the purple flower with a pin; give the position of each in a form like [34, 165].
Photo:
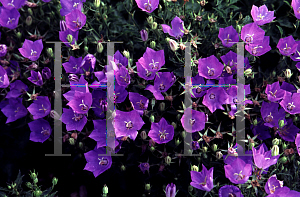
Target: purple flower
[10, 4]
[288, 87]
[296, 56]
[161, 132]
[97, 164]
[272, 184]
[32, 50]
[120, 93]
[62, 24]
[46, 73]
[287, 46]
[144, 73]
[261, 15]
[99, 102]
[73, 66]
[119, 59]
[144, 167]
[14, 110]
[210, 67]
[291, 102]
[252, 34]
[16, 89]
[195, 145]
[4, 81]
[233, 154]
[297, 142]
[73, 120]
[63, 35]
[88, 63]
[228, 36]
[3, 50]
[171, 190]
[81, 102]
[288, 131]
[192, 120]
[144, 35]
[152, 60]
[127, 123]
[177, 30]
[36, 78]
[147, 5]
[138, 102]
[40, 130]
[230, 190]
[238, 172]
[198, 91]
[77, 86]
[69, 6]
[259, 49]
[75, 20]
[271, 115]
[274, 92]
[9, 18]
[122, 76]
[284, 192]
[230, 60]
[296, 7]
[214, 98]
[263, 158]
[40, 108]
[202, 180]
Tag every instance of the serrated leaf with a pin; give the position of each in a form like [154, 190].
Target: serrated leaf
[280, 29]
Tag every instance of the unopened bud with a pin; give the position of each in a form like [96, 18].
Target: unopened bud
[54, 115]
[29, 10]
[126, 54]
[281, 123]
[240, 16]
[143, 135]
[97, 3]
[275, 141]
[174, 125]
[152, 44]
[154, 25]
[275, 150]
[86, 49]
[71, 141]
[28, 184]
[152, 148]
[219, 155]
[204, 149]
[150, 20]
[19, 35]
[255, 122]
[123, 168]
[183, 134]
[35, 181]
[100, 47]
[50, 52]
[63, 25]
[168, 160]
[182, 46]
[283, 159]
[177, 142]
[105, 190]
[195, 168]
[144, 35]
[162, 106]
[28, 20]
[152, 118]
[37, 193]
[147, 187]
[70, 38]
[215, 147]
[288, 73]
[54, 181]
[173, 45]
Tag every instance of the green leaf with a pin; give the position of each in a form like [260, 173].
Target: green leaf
[287, 3]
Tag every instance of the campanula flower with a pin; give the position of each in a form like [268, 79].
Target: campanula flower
[274, 92]
[152, 60]
[144, 35]
[210, 67]
[230, 60]
[73, 65]
[261, 15]
[273, 184]
[288, 131]
[81, 102]
[40, 107]
[32, 50]
[40, 130]
[122, 76]
[81, 86]
[14, 110]
[73, 120]
[263, 158]
[119, 60]
[127, 123]
[259, 49]
[144, 73]
[161, 132]
[230, 190]
[287, 46]
[9, 18]
[291, 102]
[288, 87]
[120, 93]
[192, 120]
[16, 89]
[195, 145]
[171, 190]
[202, 180]
[284, 192]
[198, 90]
[238, 172]
[36, 78]
[228, 36]
[296, 7]
[147, 5]
[99, 103]
[10, 4]
[69, 6]
[3, 50]
[75, 20]
[97, 164]
[252, 34]
[235, 152]
[63, 36]
[46, 73]
[4, 81]
[144, 167]
[297, 142]
[214, 98]
[271, 115]
[177, 30]
[138, 102]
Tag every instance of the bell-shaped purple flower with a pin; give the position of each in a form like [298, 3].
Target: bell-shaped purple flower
[261, 130]
[40, 130]
[236, 152]
[32, 50]
[287, 46]
[296, 7]
[238, 172]
[127, 123]
[214, 98]
[4, 81]
[14, 110]
[9, 18]
[177, 30]
[10, 4]
[261, 15]
[63, 35]
[202, 180]
[271, 115]
[144, 35]
[284, 192]
[144, 73]
[259, 49]
[288, 87]
[273, 184]
[81, 102]
[144, 167]
[36, 78]
[69, 6]
[152, 60]
[3, 50]
[75, 20]
[288, 131]
[73, 120]
[296, 56]
[291, 102]
[252, 34]
[171, 190]
[297, 142]
[16, 89]
[195, 145]
[192, 120]
[88, 64]
[81, 86]
[122, 76]
[97, 164]
[198, 89]
[210, 67]
[228, 36]
[46, 73]
[230, 60]
[161, 132]
[40, 107]
[263, 158]
[138, 102]
[274, 92]
[120, 93]
[99, 103]
[230, 190]
[147, 5]
[73, 65]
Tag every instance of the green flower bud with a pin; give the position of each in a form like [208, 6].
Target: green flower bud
[9, 187]
[33, 175]
[252, 144]
[123, 168]
[152, 44]
[284, 146]
[154, 25]
[71, 141]
[152, 148]
[37, 193]
[97, 3]
[152, 118]
[274, 74]
[281, 123]
[288, 73]
[190, 188]
[150, 20]
[174, 125]
[126, 54]
[147, 186]
[183, 134]
[240, 16]
[254, 122]
[215, 147]
[275, 150]
[283, 159]
[219, 155]
[86, 49]
[105, 190]
[19, 35]
[100, 47]
[28, 184]
[195, 168]
[143, 135]
[159, 7]
[162, 106]
[178, 117]
[48, 20]
[28, 20]
[85, 41]
[50, 52]
[239, 28]
[295, 119]
[104, 17]
[54, 181]
[168, 40]
[275, 141]
[80, 144]
[204, 149]
[177, 142]
[30, 11]
[248, 72]
[168, 160]
[70, 38]
[36, 180]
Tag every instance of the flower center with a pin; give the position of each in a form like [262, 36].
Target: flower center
[260, 17]
[286, 49]
[78, 24]
[45, 132]
[211, 71]
[239, 176]
[75, 66]
[231, 195]
[204, 182]
[154, 66]
[84, 106]
[125, 78]
[254, 50]
[161, 86]
[290, 106]
[273, 94]
[128, 125]
[75, 5]
[198, 90]
[17, 110]
[141, 104]
[227, 39]
[249, 38]
[33, 52]
[148, 6]
[192, 121]
[77, 118]
[10, 20]
[162, 135]
[212, 96]
[43, 108]
[273, 189]
[103, 161]
[269, 118]
[11, 3]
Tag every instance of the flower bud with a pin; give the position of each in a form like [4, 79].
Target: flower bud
[80, 144]
[144, 35]
[284, 146]
[105, 190]
[126, 54]
[254, 122]
[86, 49]
[33, 175]
[19, 35]
[177, 142]
[154, 25]
[171, 190]
[29, 10]
[35, 181]
[202, 3]
[37, 193]
[195, 168]
[152, 44]
[9, 187]
[150, 20]
[152, 148]
[28, 20]
[63, 25]
[204, 149]
[174, 125]
[239, 28]
[173, 45]
[28, 184]
[215, 147]
[70, 38]
[240, 16]
[281, 123]
[190, 188]
[183, 134]
[54, 181]
[219, 155]
[182, 46]
[152, 118]
[162, 106]
[123, 168]
[71, 141]
[143, 135]
[288, 73]
[168, 160]
[50, 52]
[100, 47]
[275, 150]
[147, 186]
[275, 141]
[283, 159]
[105, 17]
[97, 3]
